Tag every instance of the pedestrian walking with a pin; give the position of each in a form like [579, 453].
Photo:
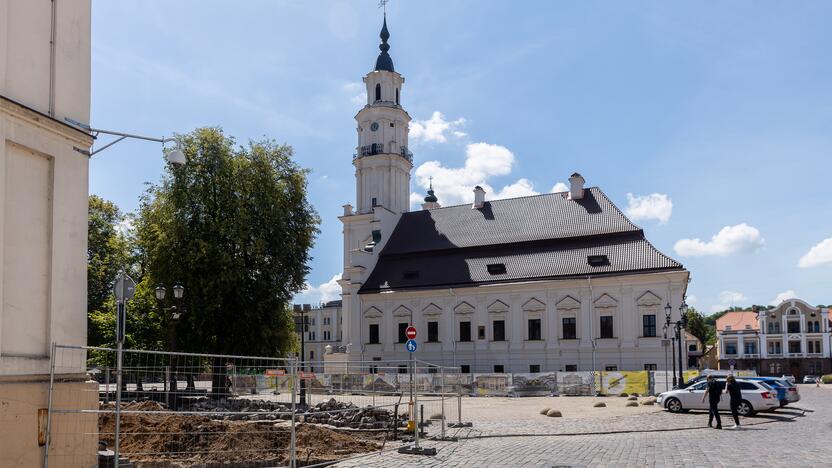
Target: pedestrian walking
[713, 393]
[732, 388]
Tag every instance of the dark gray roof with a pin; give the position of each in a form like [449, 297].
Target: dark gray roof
[539, 237]
[626, 253]
[549, 216]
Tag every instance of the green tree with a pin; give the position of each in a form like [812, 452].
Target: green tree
[698, 327]
[111, 249]
[234, 227]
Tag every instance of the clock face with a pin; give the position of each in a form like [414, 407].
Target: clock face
[374, 126]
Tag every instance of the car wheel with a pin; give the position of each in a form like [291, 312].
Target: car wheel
[674, 405]
[745, 408]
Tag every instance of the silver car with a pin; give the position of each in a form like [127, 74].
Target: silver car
[756, 396]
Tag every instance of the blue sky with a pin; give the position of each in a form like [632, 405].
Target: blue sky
[715, 118]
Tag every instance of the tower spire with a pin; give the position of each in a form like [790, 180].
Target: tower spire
[384, 62]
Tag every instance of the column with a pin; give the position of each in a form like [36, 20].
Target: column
[740, 346]
[516, 322]
[447, 326]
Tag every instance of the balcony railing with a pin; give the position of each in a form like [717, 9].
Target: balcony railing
[378, 148]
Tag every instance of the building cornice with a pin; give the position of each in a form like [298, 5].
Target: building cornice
[20, 111]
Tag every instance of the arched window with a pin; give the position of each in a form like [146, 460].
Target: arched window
[397, 96]
[378, 92]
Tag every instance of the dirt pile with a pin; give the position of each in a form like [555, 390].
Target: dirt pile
[157, 435]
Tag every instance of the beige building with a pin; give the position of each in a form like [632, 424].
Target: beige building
[44, 78]
[793, 338]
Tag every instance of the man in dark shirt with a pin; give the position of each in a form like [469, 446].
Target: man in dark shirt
[713, 392]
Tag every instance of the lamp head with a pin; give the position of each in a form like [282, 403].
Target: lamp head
[160, 293]
[178, 291]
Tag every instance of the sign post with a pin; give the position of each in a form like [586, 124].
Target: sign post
[411, 347]
[124, 288]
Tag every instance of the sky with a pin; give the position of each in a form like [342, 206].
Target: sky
[707, 123]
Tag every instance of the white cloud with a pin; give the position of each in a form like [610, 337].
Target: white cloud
[325, 292]
[690, 300]
[740, 238]
[436, 128]
[356, 91]
[818, 255]
[455, 185]
[729, 299]
[654, 206]
[559, 187]
[782, 297]
[521, 188]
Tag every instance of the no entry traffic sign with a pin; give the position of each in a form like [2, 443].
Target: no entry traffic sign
[410, 333]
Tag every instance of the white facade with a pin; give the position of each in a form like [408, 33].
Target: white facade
[627, 299]
[371, 321]
[44, 78]
[792, 338]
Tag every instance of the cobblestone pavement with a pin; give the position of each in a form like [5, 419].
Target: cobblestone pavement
[788, 437]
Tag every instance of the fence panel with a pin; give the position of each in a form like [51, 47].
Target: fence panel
[181, 409]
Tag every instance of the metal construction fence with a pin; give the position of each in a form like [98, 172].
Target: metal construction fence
[201, 410]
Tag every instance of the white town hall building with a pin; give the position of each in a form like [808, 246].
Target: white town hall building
[529, 284]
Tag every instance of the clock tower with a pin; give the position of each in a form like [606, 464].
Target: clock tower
[382, 161]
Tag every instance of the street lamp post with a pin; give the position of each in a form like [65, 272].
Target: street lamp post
[301, 325]
[174, 313]
[668, 325]
[665, 346]
[677, 328]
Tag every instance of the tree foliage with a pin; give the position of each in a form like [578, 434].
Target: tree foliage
[110, 249]
[234, 227]
[698, 327]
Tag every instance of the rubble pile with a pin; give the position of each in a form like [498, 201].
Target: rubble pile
[332, 412]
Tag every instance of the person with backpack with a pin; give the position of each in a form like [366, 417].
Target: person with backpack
[713, 393]
[732, 388]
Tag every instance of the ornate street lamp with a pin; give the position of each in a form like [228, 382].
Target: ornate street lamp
[668, 325]
[175, 313]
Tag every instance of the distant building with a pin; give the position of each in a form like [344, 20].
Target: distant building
[323, 328]
[695, 351]
[44, 79]
[792, 338]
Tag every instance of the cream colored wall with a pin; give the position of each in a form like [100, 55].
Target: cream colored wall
[43, 227]
[25, 30]
[74, 436]
[43, 238]
[620, 294]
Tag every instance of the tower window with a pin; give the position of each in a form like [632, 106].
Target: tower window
[397, 96]
[378, 92]
[374, 202]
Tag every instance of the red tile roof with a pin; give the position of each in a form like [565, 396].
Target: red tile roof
[738, 320]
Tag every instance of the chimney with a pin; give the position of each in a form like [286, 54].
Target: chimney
[479, 197]
[576, 186]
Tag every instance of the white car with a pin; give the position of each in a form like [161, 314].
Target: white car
[756, 396]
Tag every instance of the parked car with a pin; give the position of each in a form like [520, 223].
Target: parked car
[756, 396]
[790, 378]
[792, 392]
[779, 385]
[811, 379]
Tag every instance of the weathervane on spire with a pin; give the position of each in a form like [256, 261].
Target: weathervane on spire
[383, 4]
